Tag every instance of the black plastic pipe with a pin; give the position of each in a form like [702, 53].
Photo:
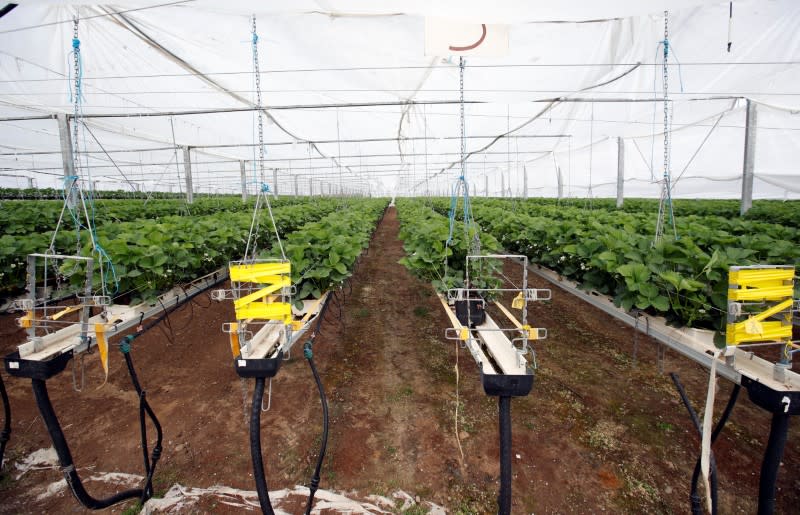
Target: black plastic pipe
[778, 431]
[144, 408]
[65, 457]
[314, 485]
[255, 447]
[694, 496]
[309, 355]
[5, 434]
[504, 500]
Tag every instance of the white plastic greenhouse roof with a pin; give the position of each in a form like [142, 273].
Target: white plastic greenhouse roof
[355, 103]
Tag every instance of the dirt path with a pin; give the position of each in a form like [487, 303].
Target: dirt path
[597, 433]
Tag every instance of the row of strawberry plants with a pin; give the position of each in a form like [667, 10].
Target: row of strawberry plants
[323, 252]
[783, 212]
[644, 222]
[684, 280]
[24, 217]
[428, 255]
[149, 256]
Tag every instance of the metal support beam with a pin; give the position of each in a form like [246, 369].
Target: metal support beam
[243, 169]
[502, 185]
[750, 126]
[296, 186]
[275, 182]
[310, 187]
[486, 186]
[620, 171]
[187, 168]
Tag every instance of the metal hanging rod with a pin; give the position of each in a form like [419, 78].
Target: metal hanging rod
[284, 143]
[224, 110]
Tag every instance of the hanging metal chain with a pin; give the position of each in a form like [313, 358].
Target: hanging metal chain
[257, 74]
[76, 107]
[665, 203]
[461, 106]
[665, 78]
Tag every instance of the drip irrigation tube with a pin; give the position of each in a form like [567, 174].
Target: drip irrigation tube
[255, 447]
[65, 457]
[5, 434]
[307, 352]
[504, 500]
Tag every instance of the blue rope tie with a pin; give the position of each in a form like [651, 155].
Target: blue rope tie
[264, 187]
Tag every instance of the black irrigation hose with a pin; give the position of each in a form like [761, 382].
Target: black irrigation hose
[778, 431]
[144, 408]
[504, 500]
[5, 434]
[694, 495]
[314, 484]
[307, 352]
[255, 447]
[65, 457]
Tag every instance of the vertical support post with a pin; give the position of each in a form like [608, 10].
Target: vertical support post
[31, 262]
[296, 186]
[767, 487]
[310, 187]
[524, 182]
[275, 182]
[67, 158]
[560, 180]
[502, 184]
[30, 183]
[243, 170]
[750, 126]
[486, 185]
[187, 168]
[66, 145]
[620, 171]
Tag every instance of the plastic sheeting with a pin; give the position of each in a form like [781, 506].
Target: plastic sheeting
[578, 76]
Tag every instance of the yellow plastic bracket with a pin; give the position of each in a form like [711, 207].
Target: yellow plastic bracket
[530, 332]
[755, 329]
[772, 285]
[235, 348]
[298, 324]
[755, 284]
[65, 311]
[518, 302]
[463, 334]
[26, 321]
[102, 346]
[258, 272]
[260, 304]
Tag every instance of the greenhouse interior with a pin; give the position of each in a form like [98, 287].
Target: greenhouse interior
[394, 219]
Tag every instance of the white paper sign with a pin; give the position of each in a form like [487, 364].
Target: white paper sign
[446, 37]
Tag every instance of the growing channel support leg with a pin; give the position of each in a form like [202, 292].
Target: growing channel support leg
[504, 500]
[778, 431]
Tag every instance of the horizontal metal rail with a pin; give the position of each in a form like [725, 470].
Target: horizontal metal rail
[694, 344]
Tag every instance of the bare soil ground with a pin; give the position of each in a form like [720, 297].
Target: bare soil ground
[600, 432]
